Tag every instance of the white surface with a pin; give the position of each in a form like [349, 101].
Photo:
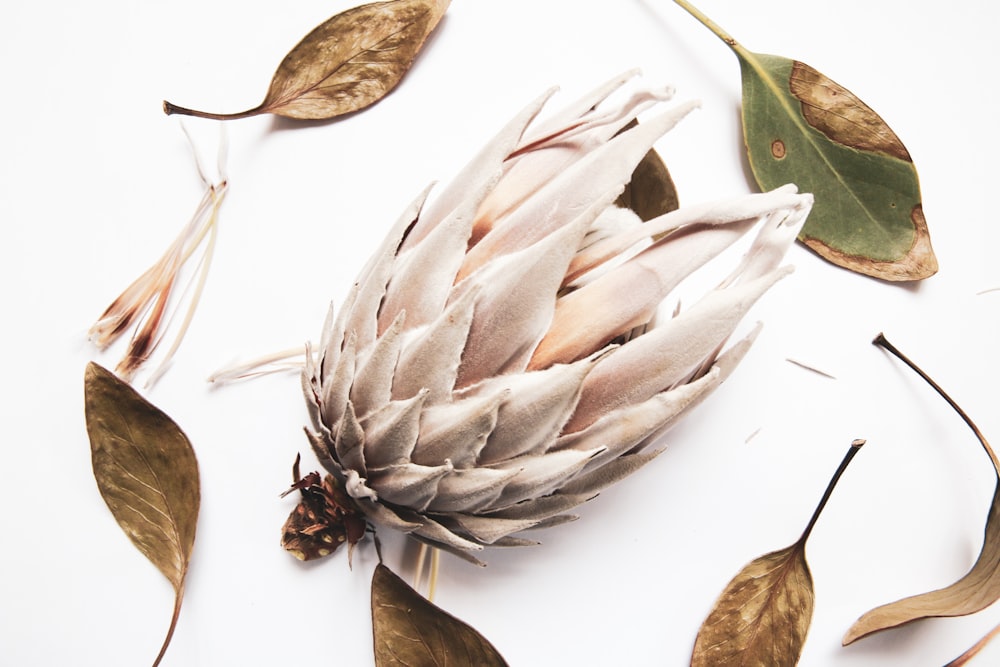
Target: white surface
[95, 180]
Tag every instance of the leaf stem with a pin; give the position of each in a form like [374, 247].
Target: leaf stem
[975, 649]
[851, 452]
[170, 108]
[881, 341]
[178, 598]
[708, 23]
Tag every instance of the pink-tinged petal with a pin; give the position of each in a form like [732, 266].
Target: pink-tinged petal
[431, 357]
[363, 315]
[391, 432]
[594, 481]
[372, 385]
[383, 516]
[543, 508]
[433, 533]
[456, 431]
[515, 304]
[336, 390]
[407, 484]
[350, 442]
[536, 407]
[621, 430]
[539, 475]
[482, 172]
[727, 211]
[776, 234]
[569, 115]
[489, 531]
[542, 157]
[422, 278]
[468, 489]
[321, 448]
[655, 361]
[590, 317]
[601, 173]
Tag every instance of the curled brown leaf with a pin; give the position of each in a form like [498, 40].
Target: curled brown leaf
[978, 589]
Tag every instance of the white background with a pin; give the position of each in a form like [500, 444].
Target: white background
[95, 181]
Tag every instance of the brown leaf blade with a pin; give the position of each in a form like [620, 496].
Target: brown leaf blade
[412, 632]
[147, 473]
[762, 616]
[651, 192]
[349, 62]
[978, 589]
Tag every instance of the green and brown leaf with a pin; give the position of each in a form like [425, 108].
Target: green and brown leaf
[801, 127]
[349, 62]
[147, 473]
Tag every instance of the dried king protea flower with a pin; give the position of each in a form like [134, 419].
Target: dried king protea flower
[497, 361]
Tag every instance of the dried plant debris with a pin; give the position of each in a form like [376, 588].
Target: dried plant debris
[152, 298]
[979, 588]
[801, 127]
[345, 64]
[323, 520]
[147, 473]
[763, 615]
[410, 631]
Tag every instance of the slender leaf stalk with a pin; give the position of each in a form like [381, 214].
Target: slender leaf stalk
[881, 341]
[855, 447]
[170, 108]
[178, 599]
[708, 23]
[974, 649]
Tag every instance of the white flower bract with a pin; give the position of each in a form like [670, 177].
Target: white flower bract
[499, 361]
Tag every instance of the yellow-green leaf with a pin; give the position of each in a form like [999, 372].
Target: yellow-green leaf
[147, 474]
[763, 615]
[801, 127]
[978, 589]
[410, 631]
[350, 61]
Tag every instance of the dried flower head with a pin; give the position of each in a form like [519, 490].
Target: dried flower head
[497, 362]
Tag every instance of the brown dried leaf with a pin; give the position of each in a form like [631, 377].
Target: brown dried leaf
[412, 632]
[775, 594]
[978, 589]
[651, 192]
[147, 474]
[763, 615]
[345, 64]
